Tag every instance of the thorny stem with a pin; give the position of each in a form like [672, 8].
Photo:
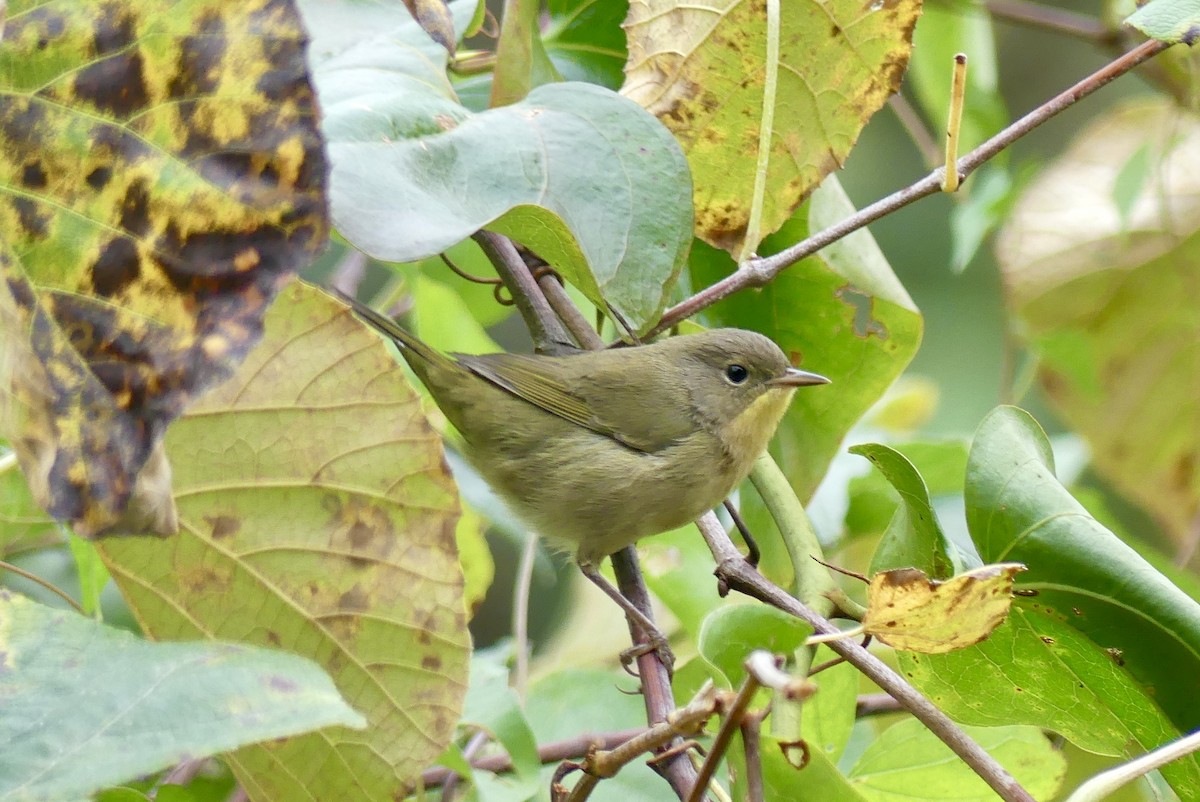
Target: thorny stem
[761, 271]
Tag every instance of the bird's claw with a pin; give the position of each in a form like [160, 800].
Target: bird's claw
[656, 643]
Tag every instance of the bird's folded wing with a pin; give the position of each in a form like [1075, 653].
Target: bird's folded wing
[531, 380]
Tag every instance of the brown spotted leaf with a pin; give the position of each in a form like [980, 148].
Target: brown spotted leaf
[161, 177]
[707, 70]
[317, 515]
[909, 611]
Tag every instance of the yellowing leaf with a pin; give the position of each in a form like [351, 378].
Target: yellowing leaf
[764, 109]
[161, 177]
[909, 611]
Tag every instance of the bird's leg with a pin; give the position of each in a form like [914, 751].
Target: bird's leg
[655, 639]
[752, 553]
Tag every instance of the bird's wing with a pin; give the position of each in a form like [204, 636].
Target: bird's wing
[533, 380]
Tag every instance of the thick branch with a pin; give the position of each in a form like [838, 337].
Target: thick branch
[761, 271]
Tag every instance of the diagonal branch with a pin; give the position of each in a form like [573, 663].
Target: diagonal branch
[761, 271]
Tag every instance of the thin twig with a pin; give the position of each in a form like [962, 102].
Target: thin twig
[761, 271]
[1058, 20]
[476, 742]
[753, 553]
[547, 332]
[1106, 782]
[958, 92]
[574, 320]
[521, 615]
[553, 752]
[751, 729]
[739, 575]
[47, 584]
[730, 724]
[874, 704]
[686, 721]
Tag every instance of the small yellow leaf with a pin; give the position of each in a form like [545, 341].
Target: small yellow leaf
[908, 610]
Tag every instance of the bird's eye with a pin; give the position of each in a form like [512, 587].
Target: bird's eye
[736, 374]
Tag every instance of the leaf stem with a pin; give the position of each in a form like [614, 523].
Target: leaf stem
[766, 133]
[760, 271]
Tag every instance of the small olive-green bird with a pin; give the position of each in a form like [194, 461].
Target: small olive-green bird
[599, 449]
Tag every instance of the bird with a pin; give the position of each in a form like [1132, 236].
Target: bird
[596, 450]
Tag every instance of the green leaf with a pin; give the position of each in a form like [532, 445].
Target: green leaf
[872, 499]
[93, 575]
[1018, 511]
[907, 762]
[730, 633]
[1036, 669]
[585, 40]
[764, 107]
[568, 172]
[87, 706]
[828, 716]
[913, 539]
[1097, 291]
[1172, 21]
[492, 704]
[318, 515]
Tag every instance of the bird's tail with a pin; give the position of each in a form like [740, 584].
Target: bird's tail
[408, 343]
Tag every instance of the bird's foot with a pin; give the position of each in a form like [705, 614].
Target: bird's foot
[657, 642]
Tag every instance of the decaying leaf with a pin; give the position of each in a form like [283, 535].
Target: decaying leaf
[907, 610]
[162, 178]
[702, 68]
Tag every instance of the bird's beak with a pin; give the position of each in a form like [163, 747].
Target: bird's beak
[797, 378]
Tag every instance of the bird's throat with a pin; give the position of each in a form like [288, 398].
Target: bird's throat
[747, 435]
